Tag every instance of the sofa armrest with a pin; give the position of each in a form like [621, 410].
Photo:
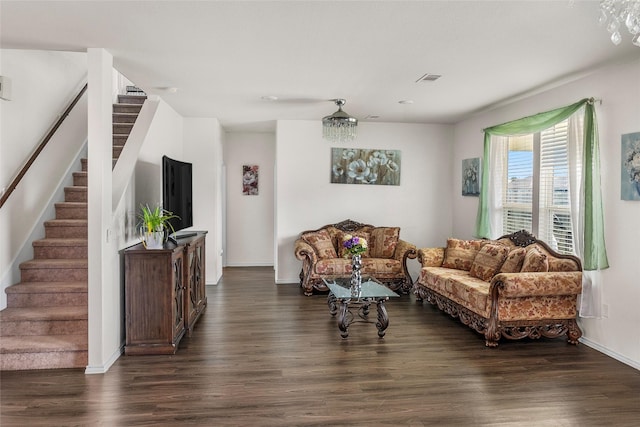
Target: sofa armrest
[515, 285]
[303, 251]
[431, 257]
[405, 250]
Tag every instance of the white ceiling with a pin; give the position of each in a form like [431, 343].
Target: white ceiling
[223, 56]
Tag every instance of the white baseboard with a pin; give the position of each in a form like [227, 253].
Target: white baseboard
[89, 370]
[249, 264]
[293, 281]
[613, 354]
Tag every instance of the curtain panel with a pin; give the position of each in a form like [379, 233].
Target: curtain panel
[586, 205]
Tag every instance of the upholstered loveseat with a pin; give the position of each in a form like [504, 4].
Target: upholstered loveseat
[322, 255]
[514, 287]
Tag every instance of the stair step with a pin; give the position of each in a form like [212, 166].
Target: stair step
[57, 248]
[125, 117]
[117, 150]
[120, 139]
[122, 128]
[43, 352]
[44, 270]
[47, 294]
[127, 108]
[85, 164]
[71, 210]
[131, 99]
[67, 320]
[80, 179]
[75, 194]
[65, 228]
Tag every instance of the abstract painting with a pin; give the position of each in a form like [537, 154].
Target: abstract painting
[471, 177]
[630, 167]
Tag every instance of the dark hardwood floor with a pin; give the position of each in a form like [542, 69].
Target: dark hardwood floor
[265, 355]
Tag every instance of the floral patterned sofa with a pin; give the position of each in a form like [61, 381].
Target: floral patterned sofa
[513, 287]
[323, 256]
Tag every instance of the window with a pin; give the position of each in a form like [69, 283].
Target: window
[535, 186]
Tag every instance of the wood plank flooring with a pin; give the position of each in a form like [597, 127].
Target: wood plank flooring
[265, 355]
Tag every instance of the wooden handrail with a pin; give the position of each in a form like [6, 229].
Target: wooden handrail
[45, 141]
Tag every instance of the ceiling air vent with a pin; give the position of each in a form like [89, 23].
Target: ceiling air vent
[429, 78]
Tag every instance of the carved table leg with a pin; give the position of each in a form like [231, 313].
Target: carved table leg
[365, 307]
[383, 318]
[331, 302]
[343, 319]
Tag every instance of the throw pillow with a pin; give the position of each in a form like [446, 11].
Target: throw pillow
[535, 261]
[461, 253]
[384, 241]
[341, 238]
[488, 261]
[513, 263]
[322, 243]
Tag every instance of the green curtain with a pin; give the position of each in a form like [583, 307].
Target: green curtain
[595, 253]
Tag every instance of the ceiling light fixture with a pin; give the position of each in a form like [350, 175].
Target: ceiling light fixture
[618, 13]
[339, 127]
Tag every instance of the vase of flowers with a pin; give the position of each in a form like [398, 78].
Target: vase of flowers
[153, 226]
[355, 246]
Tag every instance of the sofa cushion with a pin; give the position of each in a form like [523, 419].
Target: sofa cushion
[458, 286]
[461, 253]
[322, 243]
[342, 237]
[377, 267]
[513, 263]
[384, 241]
[535, 261]
[488, 261]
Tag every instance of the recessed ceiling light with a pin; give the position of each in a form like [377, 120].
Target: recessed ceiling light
[406, 101]
[429, 78]
[270, 98]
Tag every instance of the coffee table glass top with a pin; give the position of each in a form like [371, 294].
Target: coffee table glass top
[340, 287]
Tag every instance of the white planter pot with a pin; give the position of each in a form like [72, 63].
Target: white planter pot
[153, 240]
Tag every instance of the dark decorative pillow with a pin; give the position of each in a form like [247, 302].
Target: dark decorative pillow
[535, 261]
[461, 253]
[342, 237]
[322, 243]
[513, 263]
[383, 242]
[488, 261]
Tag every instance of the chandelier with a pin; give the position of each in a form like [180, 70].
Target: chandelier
[619, 13]
[339, 127]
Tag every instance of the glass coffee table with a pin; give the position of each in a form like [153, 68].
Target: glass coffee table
[342, 298]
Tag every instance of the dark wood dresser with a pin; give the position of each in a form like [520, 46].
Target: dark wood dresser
[165, 294]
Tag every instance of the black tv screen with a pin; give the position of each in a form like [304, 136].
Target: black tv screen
[177, 191]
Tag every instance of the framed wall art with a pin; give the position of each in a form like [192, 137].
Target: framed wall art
[250, 180]
[630, 167]
[471, 177]
[365, 166]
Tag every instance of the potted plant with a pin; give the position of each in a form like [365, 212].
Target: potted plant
[153, 224]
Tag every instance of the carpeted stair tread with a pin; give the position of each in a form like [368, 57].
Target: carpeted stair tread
[54, 263]
[36, 314]
[66, 222]
[61, 241]
[47, 287]
[43, 343]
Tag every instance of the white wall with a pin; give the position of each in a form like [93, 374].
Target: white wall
[203, 147]
[38, 99]
[305, 198]
[249, 218]
[619, 88]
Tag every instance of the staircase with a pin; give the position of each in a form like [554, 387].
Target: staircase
[45, 323]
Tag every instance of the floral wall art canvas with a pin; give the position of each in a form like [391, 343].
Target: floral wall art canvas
[630, 167]
[471, 177]
[250, 180]
[365, 166]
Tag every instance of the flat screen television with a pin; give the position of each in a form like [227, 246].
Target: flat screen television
[177, 194]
